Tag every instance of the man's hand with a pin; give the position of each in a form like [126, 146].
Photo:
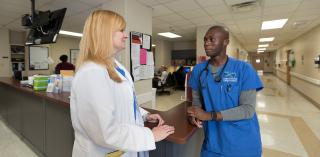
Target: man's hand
[154, 118]
[195, 122]
[198, 113]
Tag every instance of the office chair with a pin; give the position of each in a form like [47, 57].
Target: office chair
[163, 85]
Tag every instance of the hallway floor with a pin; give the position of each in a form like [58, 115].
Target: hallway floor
[290, 124]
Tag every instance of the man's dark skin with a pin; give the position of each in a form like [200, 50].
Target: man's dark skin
[215, 45]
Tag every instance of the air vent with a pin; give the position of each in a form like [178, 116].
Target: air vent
[242, 5]
[299, 24]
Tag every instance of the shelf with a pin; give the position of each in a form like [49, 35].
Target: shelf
[17, 45]
[17, 53]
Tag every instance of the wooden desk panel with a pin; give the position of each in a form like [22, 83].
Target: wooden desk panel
[176, 117]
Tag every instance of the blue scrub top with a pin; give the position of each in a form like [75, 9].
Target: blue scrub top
[239, 138]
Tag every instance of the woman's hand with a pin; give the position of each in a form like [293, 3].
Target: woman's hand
[154, 118]
[161, 132]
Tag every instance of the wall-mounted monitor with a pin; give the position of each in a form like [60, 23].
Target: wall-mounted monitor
[46, 27]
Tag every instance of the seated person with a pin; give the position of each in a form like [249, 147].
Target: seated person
[163, 76]
[160, 80]
[64, 65]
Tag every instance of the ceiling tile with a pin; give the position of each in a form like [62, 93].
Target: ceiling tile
[246, 15]
[203, 21]
[307, 12]
[275, 3]
[160, 10]
[217, 10]
[181, 23]
[189, 14]
[205, 3]
[181, 5]
[157, 21]
[223, 17]
[170, 18]
[291, 7]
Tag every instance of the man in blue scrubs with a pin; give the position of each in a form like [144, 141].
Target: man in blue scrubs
[224, 98]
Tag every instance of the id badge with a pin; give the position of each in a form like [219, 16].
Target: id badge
[116, 153]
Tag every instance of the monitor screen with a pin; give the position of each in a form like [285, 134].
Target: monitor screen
[186, 69]
[46, 33]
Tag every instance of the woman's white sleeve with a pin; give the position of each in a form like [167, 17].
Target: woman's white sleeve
[96, 112]
[144, 113]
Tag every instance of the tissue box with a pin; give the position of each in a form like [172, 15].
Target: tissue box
[66, 83]
[40, 83]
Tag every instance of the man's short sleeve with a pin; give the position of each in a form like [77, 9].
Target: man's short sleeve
[250, 79]
[193, 80]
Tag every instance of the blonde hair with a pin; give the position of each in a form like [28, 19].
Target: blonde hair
[96, 44]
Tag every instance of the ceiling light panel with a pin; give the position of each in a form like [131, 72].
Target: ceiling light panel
[274, 24]
[263, 45]
[169, 35]
[266, 39]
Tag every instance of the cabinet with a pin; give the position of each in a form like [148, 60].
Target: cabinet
[17, 57]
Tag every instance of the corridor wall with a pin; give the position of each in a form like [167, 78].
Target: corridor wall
[305, 75]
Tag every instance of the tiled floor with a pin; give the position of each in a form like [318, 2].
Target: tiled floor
[290, 125]
[11, 145]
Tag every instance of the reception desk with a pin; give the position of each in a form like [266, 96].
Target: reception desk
[43, 120]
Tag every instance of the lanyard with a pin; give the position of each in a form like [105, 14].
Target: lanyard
[134, 95]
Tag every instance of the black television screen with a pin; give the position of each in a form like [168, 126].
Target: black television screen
[46, 32]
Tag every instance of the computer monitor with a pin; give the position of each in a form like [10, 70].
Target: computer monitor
[17, 75]
[46, 27]
[186, 69]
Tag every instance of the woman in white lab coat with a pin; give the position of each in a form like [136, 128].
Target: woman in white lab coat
[104, 111]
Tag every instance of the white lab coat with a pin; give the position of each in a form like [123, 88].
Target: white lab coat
[102, 114]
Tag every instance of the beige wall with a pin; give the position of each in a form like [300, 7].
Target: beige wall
[163, 53]
[307, 47]
[234, 44]
[5, 57]
[138, 18]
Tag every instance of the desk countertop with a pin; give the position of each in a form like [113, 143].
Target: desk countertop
[176, 116]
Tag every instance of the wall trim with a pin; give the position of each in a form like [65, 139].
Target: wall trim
[280, 78]
[306, 78]
[307, 97]
[283, 71]
[301, 93]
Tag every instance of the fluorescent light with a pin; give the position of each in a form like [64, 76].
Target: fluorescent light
[274, 24]
[169, 35]
[266, 39]
[70, 33]
[259, 49]
[263, 45]
[153, 45]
